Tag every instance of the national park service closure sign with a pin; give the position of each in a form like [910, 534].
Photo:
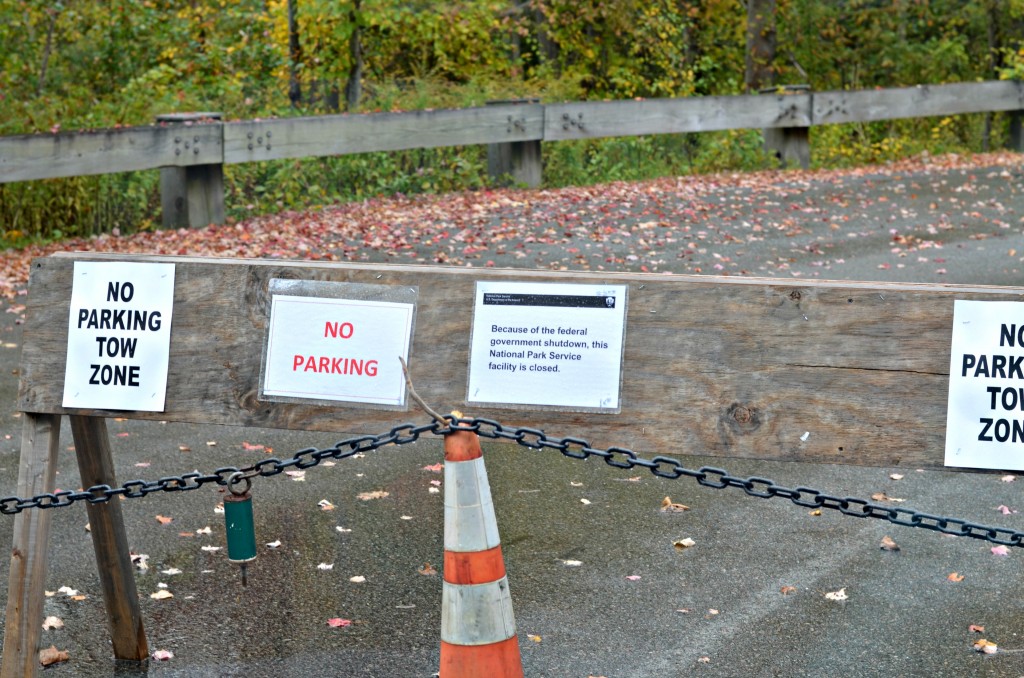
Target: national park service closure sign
[556, 345]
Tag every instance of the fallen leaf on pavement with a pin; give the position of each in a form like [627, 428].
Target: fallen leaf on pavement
[896, 476]
[52, 655]
[376, 494]
[162, 594]
[974, 628]
[881, 496]
[204, 530]
[1005, 510]
[338, 622]
[786, 590]
[585, 502]
[684, 543]
[249, 447]
[955, 576]
[633, 577]
[52, 623]
[572, 563]
[164, 520]
[358, 579]
[436, 468]
[837, 595]
[986, 647]
[426, 569]
[184, 448]
[273, 544]
[325, 505]
[162, 655]
[888, 544]
[1000, 551]
[669, 507]
[534, 638]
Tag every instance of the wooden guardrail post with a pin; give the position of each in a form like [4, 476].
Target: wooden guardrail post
[192, 195]
[36, 475]
[1017, 131]
[791, 145]
[518, 160]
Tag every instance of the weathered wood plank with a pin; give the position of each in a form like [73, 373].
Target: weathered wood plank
[591, 119]
[70, 154]
[36, 475]
[917, 102]
[110, 542]
[717, 366]
[343, 134]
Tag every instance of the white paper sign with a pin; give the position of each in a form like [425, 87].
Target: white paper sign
[985, 413]
[337, 349]
[547, 344]
[119, 336]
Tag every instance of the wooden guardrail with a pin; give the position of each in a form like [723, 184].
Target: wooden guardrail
[199, 145]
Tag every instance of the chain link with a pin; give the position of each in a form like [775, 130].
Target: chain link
[532, 438]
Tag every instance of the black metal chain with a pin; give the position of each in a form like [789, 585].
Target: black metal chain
[576, 448]
[228, 475]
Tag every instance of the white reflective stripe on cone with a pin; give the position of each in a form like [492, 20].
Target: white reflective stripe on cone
[477, 614]
[469, 521]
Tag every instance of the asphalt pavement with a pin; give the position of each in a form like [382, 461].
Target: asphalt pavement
[599, 585]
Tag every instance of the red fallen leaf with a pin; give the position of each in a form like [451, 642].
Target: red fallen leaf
[974, 628]
[249, 447]
[338, 622]
[164, 520]
[436, 468]
[52, 655]
[123, 435]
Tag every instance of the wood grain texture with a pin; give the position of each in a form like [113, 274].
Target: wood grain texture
[917, 102]
[70, 154]
[717, 366]
[36, 475]
[580, 120]
[110, 541]
[344, 134]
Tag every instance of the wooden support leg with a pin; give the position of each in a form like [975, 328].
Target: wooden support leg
[40, 440]
[92, 446]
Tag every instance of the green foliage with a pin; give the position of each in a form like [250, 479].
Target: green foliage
[78, 64]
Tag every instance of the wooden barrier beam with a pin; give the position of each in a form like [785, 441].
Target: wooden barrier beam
[814, 371]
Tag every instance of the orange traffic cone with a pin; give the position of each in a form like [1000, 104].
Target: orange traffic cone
[478, 631]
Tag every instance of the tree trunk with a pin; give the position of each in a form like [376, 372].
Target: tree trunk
[54, 13]
[354, 86]
[294, 56]
[760, 45]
